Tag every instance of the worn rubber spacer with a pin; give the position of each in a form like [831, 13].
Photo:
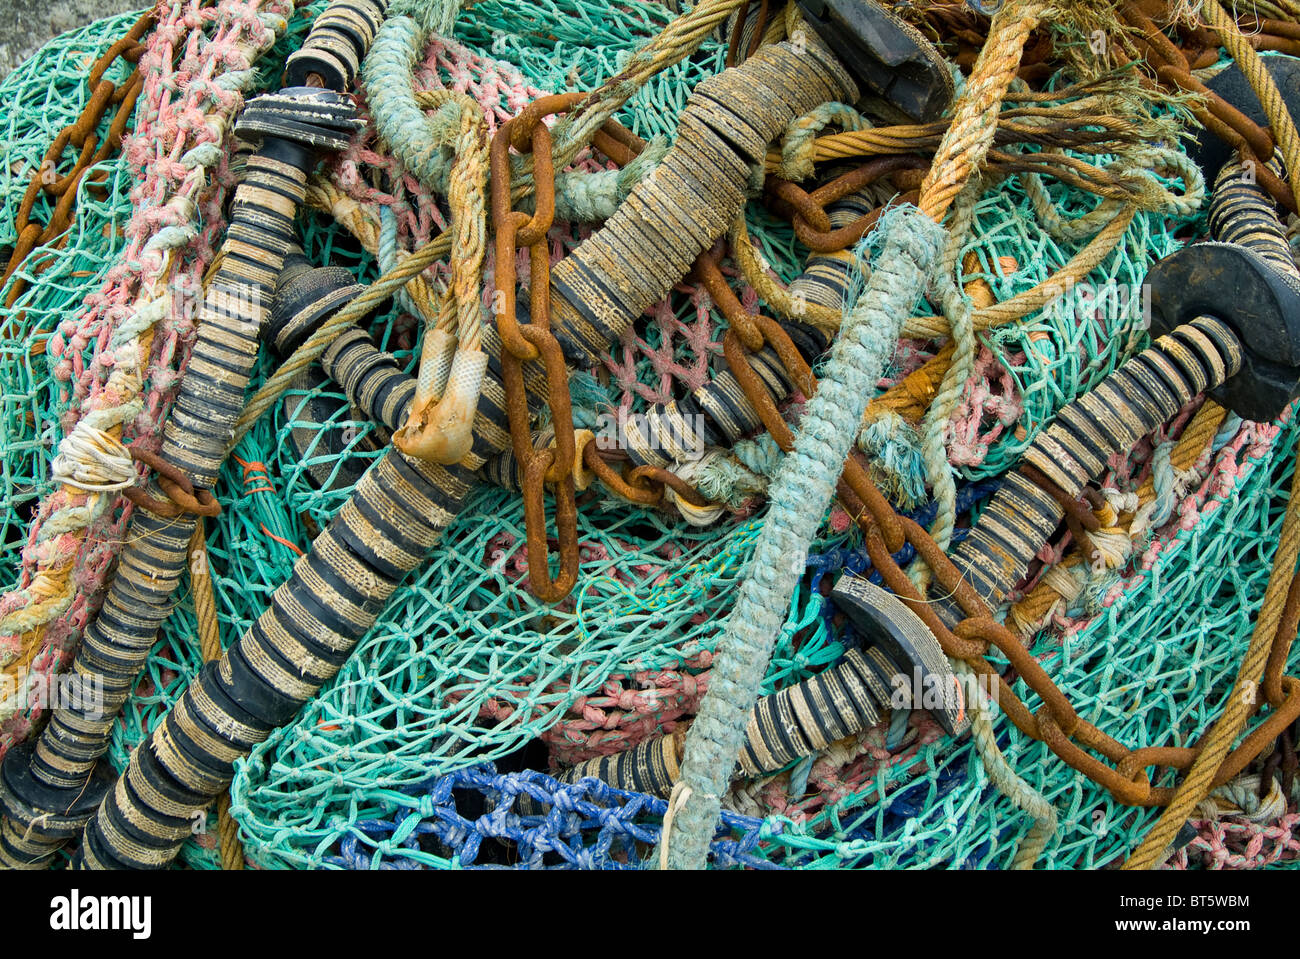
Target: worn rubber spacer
[882, 620]
[59, 813]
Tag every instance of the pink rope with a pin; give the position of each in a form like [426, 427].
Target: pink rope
[190, 47]
[1237, 844]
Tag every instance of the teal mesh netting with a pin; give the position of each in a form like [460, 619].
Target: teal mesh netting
[465, 668]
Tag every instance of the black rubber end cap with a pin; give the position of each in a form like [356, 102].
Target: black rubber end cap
[884, 54]
[883, 620]
[59, 812]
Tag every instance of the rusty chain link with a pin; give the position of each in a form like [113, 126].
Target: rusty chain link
[534, 341]
[807, 209]
[81, 137]
[182, 496]
[738, 29]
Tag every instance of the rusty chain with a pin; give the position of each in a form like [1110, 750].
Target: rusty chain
[534, 341]
[182, 496]
[82, 138]
[807, 209]
[643, 485]
[738, 29]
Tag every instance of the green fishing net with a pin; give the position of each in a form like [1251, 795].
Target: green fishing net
[465, 667]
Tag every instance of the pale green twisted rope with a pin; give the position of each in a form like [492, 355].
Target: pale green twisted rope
[423, 142]
[798, 498]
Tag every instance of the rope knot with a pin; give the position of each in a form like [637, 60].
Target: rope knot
[92, 460]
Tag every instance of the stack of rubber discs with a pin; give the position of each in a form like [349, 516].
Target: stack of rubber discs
[235, 302]
[1192, 357]
[1143, 393]
[316, 118]
[38, 819]
[898, 665]
[117, 641]
[305, 297]
[336, 45]
[192, 759]
[692, 196]
[1131, 402]
[800, 720]
[152, 812]
[1241, 212]
[899, 644]
[370, 378]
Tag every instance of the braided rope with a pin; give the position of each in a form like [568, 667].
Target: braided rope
[806, 478]
[968, 138]
[466, 191]
[424, 144]
[798, 497]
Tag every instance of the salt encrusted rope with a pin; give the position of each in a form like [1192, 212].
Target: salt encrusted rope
[798, 497]
[133, 321]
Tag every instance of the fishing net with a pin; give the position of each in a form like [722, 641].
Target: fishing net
[423, 751]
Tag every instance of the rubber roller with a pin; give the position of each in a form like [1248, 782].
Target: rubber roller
[1227, 320]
